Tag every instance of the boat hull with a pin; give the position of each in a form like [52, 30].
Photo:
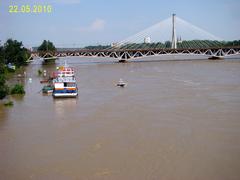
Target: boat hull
[66, 95]
[47, 91]
[122, 85]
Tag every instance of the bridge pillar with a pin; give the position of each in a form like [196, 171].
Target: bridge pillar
[122, 61]
[174, 37]
[216, 57]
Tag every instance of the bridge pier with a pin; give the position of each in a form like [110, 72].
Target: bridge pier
[216, 57]
[122, 61]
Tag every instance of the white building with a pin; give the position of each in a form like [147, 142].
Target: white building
[147, 40]
[114, 45]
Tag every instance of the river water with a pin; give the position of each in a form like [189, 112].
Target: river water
[174, 120]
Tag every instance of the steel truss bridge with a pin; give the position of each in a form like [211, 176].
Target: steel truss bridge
[128, 54]
[126, 49]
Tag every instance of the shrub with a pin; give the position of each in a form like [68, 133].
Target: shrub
[8, 103]
[40, 72]
[18, 89]
[3, 87]
[3, 91]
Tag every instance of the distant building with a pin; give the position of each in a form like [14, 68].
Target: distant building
[147, 40]
[179, 39]
[113, 45]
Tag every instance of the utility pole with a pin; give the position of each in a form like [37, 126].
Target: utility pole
[174, 40]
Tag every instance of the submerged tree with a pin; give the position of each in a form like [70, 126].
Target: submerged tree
[18, 89]
[15, 53]
[46, 46]
[3, 86]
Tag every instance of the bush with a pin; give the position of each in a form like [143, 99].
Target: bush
[3, 91]
[40, 72]
[10, 70]
[3, 87]
[18, 89]
[8, 103]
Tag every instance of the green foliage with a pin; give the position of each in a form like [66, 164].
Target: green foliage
[186, 44]
[12, 52]
[18, 89]
[232, 43]
[8, 103]
[2, 63]
[46, 46]
[40, 72]
[2, 80]
[97, 47]
[3, 87]
[168, 44]
[10, 70]
[15, 53]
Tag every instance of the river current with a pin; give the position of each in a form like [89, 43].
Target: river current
[174, 120]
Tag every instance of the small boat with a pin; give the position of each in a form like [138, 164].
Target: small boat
[44, 81]
[121, 83]
[47, 89]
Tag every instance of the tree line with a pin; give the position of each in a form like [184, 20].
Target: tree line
[167, 44]
[12, 52]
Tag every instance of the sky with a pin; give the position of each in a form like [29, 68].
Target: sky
[78, 23]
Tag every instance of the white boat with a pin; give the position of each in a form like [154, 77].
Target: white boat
[121, 83]
[65, 83]
[65, 87]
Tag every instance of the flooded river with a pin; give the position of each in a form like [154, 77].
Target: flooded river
[174, 120]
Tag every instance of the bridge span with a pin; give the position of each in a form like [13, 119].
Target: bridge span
[127, 54]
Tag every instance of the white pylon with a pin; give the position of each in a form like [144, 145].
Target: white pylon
[174, 37]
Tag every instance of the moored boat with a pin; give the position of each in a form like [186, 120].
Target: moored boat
[65, 87]
[64, 83]
[47, 89]
[44, 81]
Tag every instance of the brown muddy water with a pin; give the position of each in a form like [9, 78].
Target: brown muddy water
[174, 120]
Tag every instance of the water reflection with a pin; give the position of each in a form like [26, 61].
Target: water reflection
[3, 115]
[64, 105]
[17, 98]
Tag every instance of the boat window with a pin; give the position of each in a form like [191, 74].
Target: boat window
[65, 84]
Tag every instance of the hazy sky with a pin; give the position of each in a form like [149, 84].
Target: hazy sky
[91, 22]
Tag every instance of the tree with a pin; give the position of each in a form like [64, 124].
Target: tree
[46, 46]
[18, 89]
[3, 86]
[15, 53]
[2, 63]
[168, 44]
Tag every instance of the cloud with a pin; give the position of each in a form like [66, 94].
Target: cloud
[96, 25]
